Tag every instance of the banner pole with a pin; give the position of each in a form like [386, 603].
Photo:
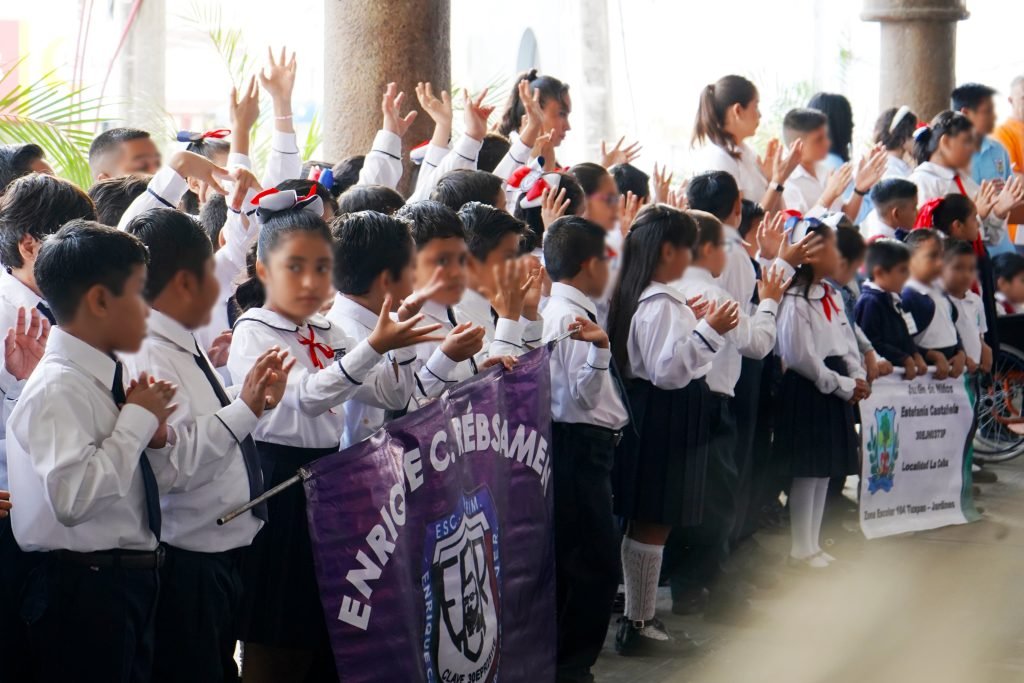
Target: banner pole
[266, 495]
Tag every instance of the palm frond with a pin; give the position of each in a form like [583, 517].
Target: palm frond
[228, 42]
[313, 137]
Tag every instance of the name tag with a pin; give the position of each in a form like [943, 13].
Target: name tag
[911, 325]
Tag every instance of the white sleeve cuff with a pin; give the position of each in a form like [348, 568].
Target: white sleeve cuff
[509, 331]
[598, 358]
[238, 418]
[709, 335]
[441, 366]
[359, 361]
[387, 143]
[138, 421]
[236, 159]
[284, 143]
[768, 306]
[435, 155]
[468, 148]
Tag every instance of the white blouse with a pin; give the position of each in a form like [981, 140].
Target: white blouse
[934, 181]
[745, 170]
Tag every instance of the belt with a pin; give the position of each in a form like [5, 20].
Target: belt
[107, 559]
[595, 432]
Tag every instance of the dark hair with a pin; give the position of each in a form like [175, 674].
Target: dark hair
[655, 225]
[804, 275]
[346, 173]
[970, 96]
[276, 227]
[208, 148]
[955, 248]
[430, 220]
[81, 255]
[366, 244]
[379, 198]
[895, 138]
[213, 216]
[38, 204]
[840, 121]
[709, 229]
[109, 140]
[113, 196]
[799, 121]
[715, 192]
[1007, 266]
[175, 242]
[493, 149]
[920, 236]
[550, 88]
[589, 175]
[953, 207]
[749, 212]
[885, 254]
[302, 188]
[715, 100]
[461, 186]
[890, 190]
[532, 216]
[486, 226]
[850, 243]
[570, 242]
[16, 161]
[926, 140]
[629, 178]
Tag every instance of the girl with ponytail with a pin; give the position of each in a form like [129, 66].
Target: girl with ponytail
[537, 105]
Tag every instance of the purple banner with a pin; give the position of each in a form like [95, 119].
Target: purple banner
[434, 542]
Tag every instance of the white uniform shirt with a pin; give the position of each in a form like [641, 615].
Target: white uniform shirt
[206, 462]
[896, 167]
[941, 332]
[739, 278]
[753, 337]
[311, 414]
[14, 294]
[667, 345]
[970, 323]
[934, 181]
[436, 372]
[284, 161]
[745, 170]
[804, 189]
[463, 155]
[504, 337]
[583, 390]
[873, 228]
[383, 163]
[74, 457]
[806, 336]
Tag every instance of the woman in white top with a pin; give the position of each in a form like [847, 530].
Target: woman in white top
[894, 130]
[728, 115]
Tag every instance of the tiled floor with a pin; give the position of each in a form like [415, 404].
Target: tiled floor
[939, 607]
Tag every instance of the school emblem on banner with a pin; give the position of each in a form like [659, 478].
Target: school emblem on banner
[883, 450]
[461, 586]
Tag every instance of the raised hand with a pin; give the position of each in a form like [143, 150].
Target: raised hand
[463, 342]
[532, 124]
[784, 164]
[533, 286]
[391, 106]
[589, 331]
[771, 234]
[439, 109]
[724, 317]
[265, 382]
[552, 206]
[507, 299]
[772, 285]
[985, 199]
[801, 252]
[629, 207]
[278, 76]
[678, 199]
[412, 304]
[836, 184]
[476, 114]
[219, 349]
[870, 169]
[661, 182]
[767, 163]
[244, 108]
[1010, 197]
[619, 154]
[25, 343]
[389, 334]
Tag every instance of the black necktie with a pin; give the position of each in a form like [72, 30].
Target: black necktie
[755, 298]
[148, 478]
[455, 323]
[47, 313]
[249, 453]
[494, 316]
[617, 378]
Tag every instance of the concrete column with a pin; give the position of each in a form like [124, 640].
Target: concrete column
[595, 93]
[368, 43]
[918, 52]
[142, 62]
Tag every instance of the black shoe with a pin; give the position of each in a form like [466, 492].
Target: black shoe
[692, 602]
[619, 603]
[984, 476]
[651, 639]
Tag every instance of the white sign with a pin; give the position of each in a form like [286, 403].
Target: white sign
[913, 437]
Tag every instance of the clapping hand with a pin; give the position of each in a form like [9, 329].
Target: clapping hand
[389, 334]
[476, 113]
[412, 304]
[619, 154]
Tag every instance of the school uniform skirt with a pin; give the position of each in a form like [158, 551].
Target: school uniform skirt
[661, 465]
[281, 602]
[814, 433]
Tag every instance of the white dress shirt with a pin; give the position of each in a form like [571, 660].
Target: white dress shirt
[896, 167]
[14, 294]
[436, 372]
[463, 155]
[667, 345]
[745, 170]
[753, 337]
[804, 189]
[872, 227]
[583, 390]
[74, 457]
[806, 336]
[934, 181]
[941, 332]
[504, 337]
[363, 419]
[206, 463]
[739, 278]
[383, 163]
[311, 414]
[284, 161]
[432, 158]
[970, 323]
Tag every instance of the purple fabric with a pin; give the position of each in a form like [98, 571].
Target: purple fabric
[433, 540]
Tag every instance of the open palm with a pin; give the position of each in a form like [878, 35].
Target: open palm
[25, 343]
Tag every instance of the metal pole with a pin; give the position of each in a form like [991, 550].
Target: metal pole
[266, 495]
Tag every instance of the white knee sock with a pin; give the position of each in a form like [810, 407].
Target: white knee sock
[801, 516]
[641, 569]
[820, 493]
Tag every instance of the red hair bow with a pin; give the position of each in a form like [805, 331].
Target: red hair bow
[315, 346]
[926, 214]
[274, 200]
[189, 136]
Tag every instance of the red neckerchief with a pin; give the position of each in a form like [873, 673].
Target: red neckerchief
[828, 304]
[315, 346]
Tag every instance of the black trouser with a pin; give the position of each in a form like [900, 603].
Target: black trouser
[196, 618]
[15, 565]
[586, 543]
[751, 465]
[89, 623]
[767, 477]
[694, 555]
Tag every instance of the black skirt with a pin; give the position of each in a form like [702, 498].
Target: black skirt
[660, 467]
[281, 601]
[814, 433]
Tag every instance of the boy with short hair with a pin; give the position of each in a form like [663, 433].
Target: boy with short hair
[588, 415]
[811, 189]
[959, 273]
[85, 490]
[879, 310]
[1009, 275]
[457, 188]
[120, 151]
[113, 196]
[214, 464]
[895, 202]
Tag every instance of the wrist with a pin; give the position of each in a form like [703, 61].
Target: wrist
[860, 192]
[530, 312]
[283, 107]
[602, 344]
[377, 344]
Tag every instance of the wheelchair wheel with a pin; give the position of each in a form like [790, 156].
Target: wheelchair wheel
[1000, 433]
